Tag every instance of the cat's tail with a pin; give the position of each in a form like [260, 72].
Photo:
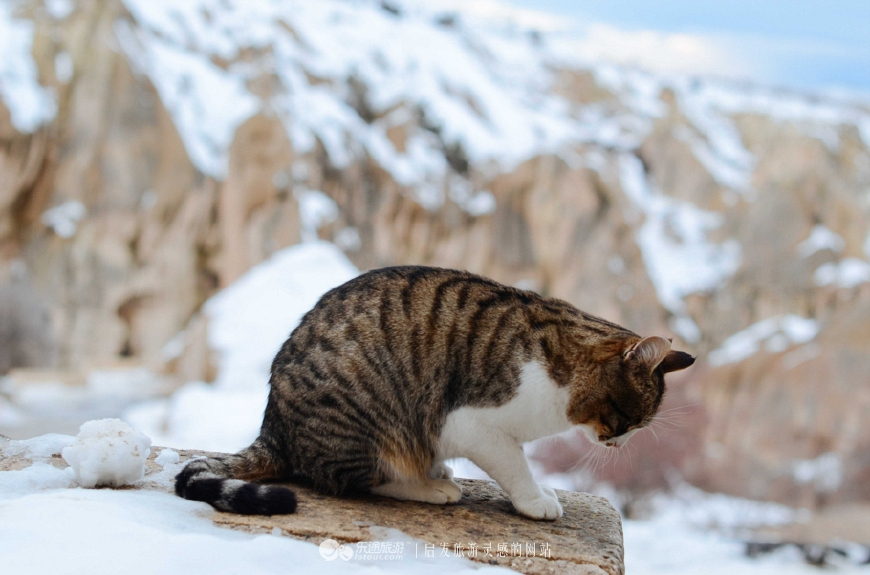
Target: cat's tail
[223, 481]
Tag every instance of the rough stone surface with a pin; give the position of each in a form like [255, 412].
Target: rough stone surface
[587, 540]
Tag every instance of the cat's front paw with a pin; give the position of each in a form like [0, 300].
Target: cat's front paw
[546, 506]
[549, 491]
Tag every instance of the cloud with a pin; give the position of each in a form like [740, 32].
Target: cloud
[661, 52]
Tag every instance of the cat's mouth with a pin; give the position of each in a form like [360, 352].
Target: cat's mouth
[621, 440]
[605, 440]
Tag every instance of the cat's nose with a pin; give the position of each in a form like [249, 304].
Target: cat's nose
[610, 444]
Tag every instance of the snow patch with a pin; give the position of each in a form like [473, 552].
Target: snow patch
[846, 273]
[776, 334]
[41, 476]
[30, 105]
[107, 452]
[475, 203]
[316, 209]
[825, 472]
[42, 447]
[64, 218]
[348, 239]
[729, 164]
[821, 238]
[206, 103]
[167, 457]
[63, 67]
[59, 9]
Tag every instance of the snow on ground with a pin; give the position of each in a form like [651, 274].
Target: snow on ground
[49, 525]
[46, 521]
[690, 532]
[663, 547]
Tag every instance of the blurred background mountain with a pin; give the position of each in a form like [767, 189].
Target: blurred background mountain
[153, 153]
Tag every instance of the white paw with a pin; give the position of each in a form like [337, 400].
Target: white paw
[444, 491]
[441, 471]
[549, 491]
[545, 506]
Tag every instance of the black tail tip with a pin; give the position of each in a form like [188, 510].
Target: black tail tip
[252, 499]
[279, 501]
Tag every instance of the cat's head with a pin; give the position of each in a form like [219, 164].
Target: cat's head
[629, 390]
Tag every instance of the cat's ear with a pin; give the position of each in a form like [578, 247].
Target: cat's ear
[650, 351]
[676, 360]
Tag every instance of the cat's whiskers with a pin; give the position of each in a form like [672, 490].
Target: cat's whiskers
[669, 421]
[599, 457]
[690, 405]
[674, 416]
[576, 464]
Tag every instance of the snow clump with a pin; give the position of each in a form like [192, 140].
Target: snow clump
[108, 452]
[167, 457]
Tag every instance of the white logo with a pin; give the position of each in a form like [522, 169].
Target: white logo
[330, 549]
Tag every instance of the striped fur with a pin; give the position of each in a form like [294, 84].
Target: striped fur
[361, 390]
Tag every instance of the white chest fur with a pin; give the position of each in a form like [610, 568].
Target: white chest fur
[538, 410]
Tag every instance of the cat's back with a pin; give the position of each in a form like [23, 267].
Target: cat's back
[420, 298]
[424, 322]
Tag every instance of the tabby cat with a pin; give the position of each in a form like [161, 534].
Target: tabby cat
[402, 368]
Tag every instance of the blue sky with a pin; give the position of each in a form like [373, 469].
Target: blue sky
[800, 43]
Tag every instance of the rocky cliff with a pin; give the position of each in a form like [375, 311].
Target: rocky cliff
[150, 153]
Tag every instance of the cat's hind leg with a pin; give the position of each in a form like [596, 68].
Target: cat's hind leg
[407, 476]
[441, 471]
[437, 491]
